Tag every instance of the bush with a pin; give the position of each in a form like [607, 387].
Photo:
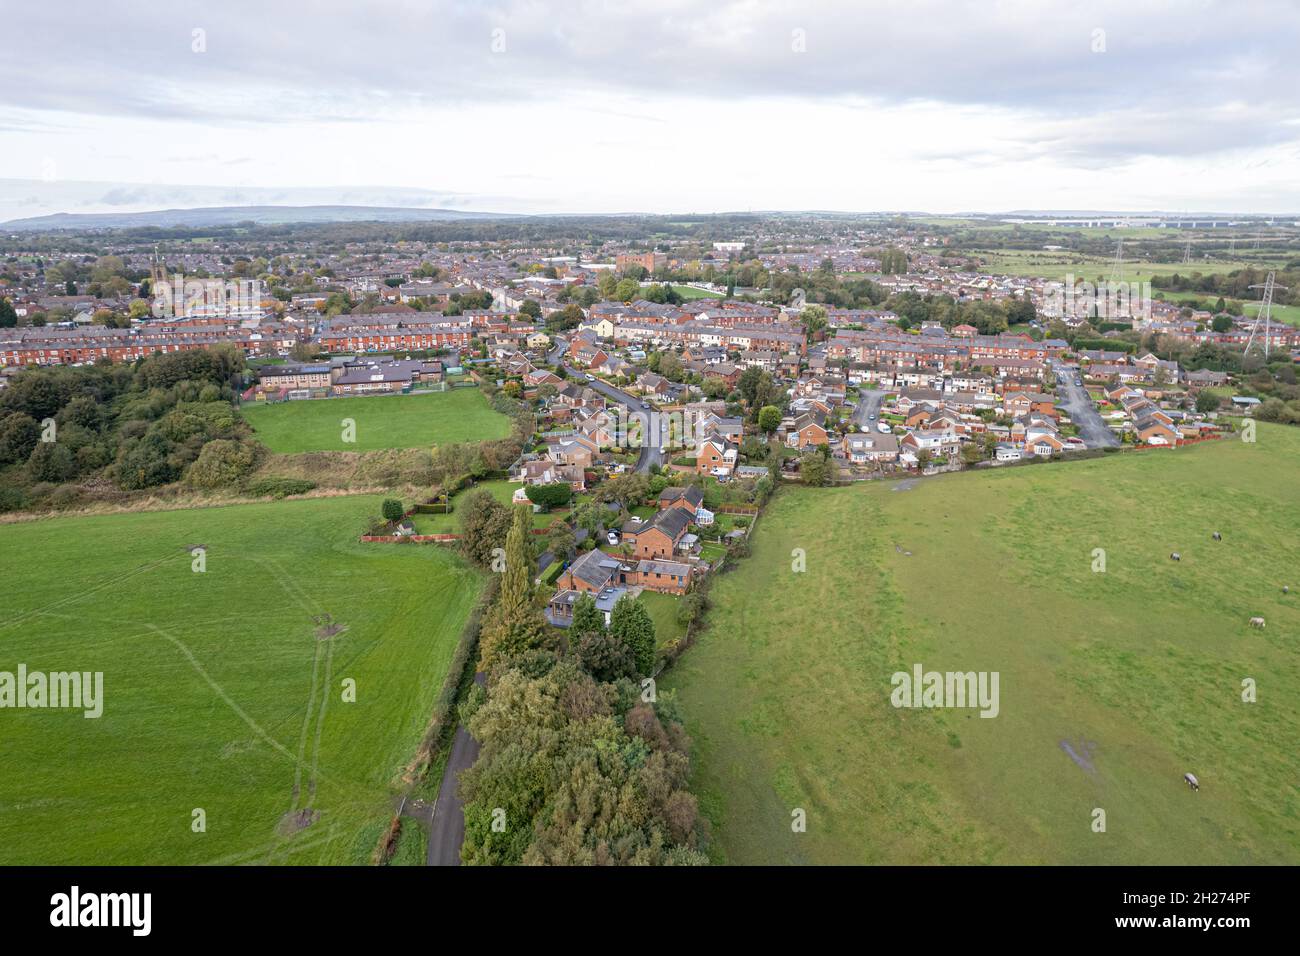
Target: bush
[222, 463]
[51, 461]
[12, 499]
[280, 487]
[393, 510]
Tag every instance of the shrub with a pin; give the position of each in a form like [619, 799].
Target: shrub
[51, 461]
[393, 510]
[222, 463]
[280, 487]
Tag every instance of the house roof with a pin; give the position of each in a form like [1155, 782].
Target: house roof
[594, 568]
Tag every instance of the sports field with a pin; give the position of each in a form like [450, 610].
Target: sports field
[223, 690]
[381, 421]
[1113, 683]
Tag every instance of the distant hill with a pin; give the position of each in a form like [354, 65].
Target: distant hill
[228, 215]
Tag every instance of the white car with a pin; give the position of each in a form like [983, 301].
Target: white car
[884, 428]
[590, 377]
[611, 537]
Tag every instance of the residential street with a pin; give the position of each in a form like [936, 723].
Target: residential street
[650, 453]
[1074, 399]
[868, 404]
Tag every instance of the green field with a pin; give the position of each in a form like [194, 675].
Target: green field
[221, 690]
[1288, 314]
[382, 421]
[1056, 265]
[690, 292]
[1138, 670]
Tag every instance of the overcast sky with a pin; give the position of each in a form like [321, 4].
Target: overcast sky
[665, 106]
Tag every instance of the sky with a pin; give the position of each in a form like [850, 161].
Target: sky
[529, 106]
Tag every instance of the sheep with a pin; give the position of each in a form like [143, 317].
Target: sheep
[1175, 556]
[1286, 589]
[1256, 622]
[1192, 781]
[1217, 536]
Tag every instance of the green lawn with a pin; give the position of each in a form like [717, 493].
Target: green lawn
[382, 421]
[663, 611]
[1138, 670]
[220, 691]
[501, 489]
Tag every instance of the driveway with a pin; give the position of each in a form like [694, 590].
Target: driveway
[1078, 405]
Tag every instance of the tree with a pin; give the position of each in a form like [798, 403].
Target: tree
[1221, 323]
[19, 434]
[631, 623]
[814, 469]
[814, 319]
[1206, 402]
[587, 618]
[769, 419]
[8, 315]
[604, 656]
[514, 624]
[484, 524]
[531, 308]
[146, 463]
[392, 509]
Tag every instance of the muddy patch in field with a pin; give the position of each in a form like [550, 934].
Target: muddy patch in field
[296, 820]
[327, 626]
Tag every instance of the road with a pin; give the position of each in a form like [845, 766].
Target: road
[868, 404]
[650, 453]
[447, 830]
[1078, 405]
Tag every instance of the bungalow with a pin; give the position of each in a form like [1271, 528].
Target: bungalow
[546, 472]
[1153, 431]
[865, 448]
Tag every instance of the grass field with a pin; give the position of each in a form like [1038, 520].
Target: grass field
[382, 421]
[1138, 670]
[220, 691]
[1056, 265]
[690, 292]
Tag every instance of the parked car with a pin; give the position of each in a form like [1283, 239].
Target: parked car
[884, 427]
[612, 537]
[590, 377]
